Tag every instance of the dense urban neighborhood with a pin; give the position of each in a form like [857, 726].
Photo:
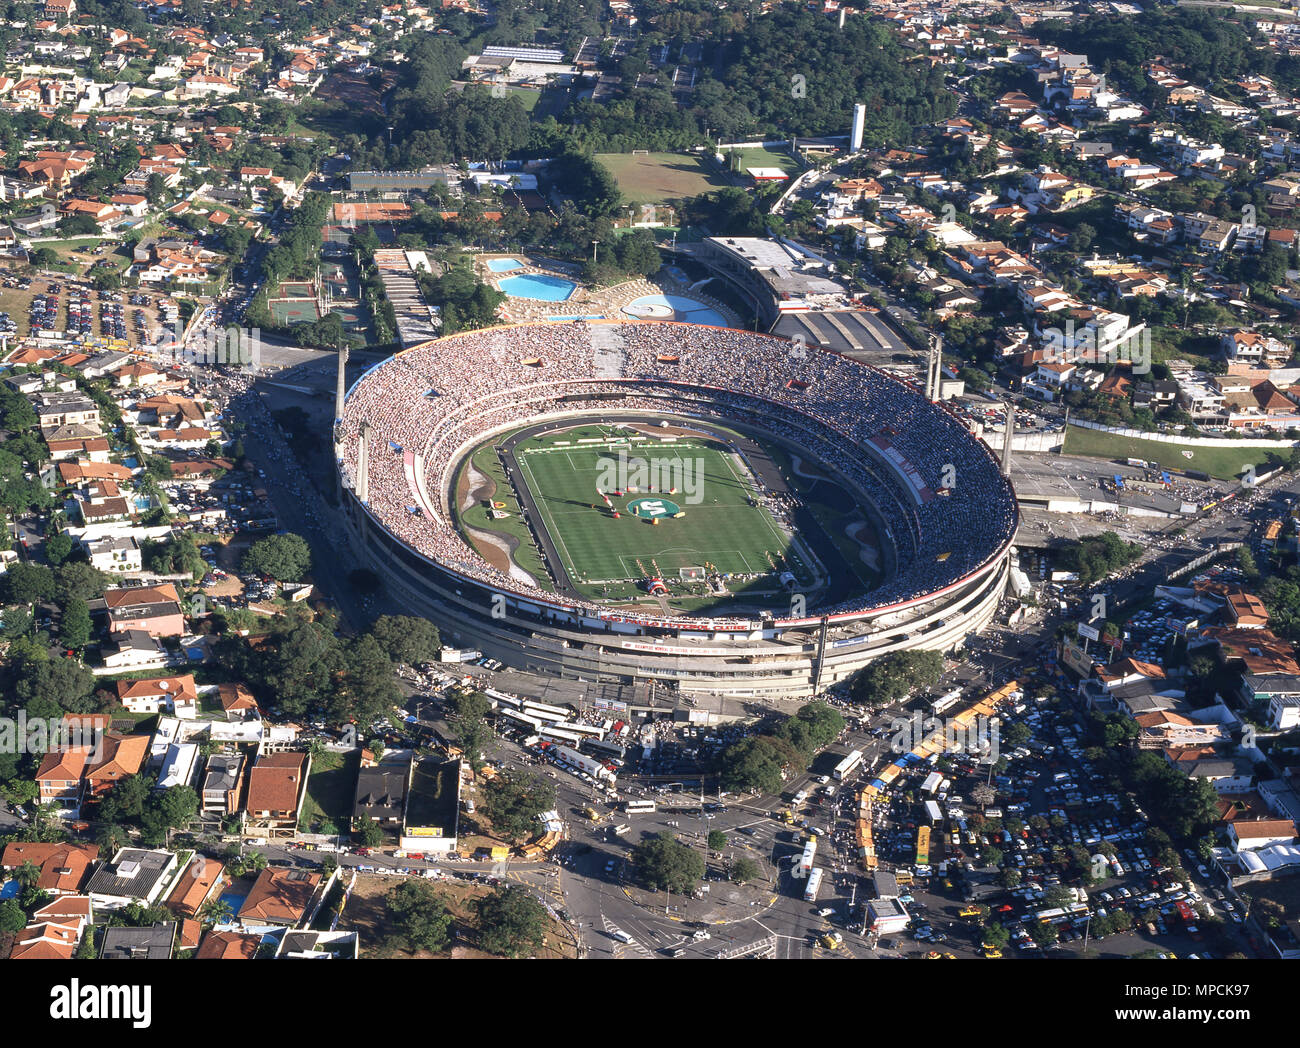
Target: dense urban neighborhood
[649, 479]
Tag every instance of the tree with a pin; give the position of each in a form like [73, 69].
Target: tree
[59, 547]
[754, 765]
[110, 838]
[744, 869]
[215, 911]
[370, 834]
[77, 579]
[28, 874]
[996, 936]
[407, 639]
[512, 923]
[983, 795]
[665, 863]
[75, 627]
[419, 916]
[128, 796]
[1009, 877]
[25, 582]
[286, 558]
[513, 801]
[717, 840]
[891, 678]
[1043, 934]
[12, 918]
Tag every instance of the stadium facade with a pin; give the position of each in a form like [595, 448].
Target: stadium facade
[945, 514]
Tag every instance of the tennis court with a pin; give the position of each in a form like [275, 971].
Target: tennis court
[296, 289]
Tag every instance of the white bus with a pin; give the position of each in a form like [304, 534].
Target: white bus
[814, 884]
[637, 807]
[806, 860]
[555, 734]
[846, 766]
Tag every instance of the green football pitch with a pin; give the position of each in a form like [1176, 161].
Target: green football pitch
[719, 533]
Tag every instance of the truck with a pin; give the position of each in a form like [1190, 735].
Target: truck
[945, 701]
[932, 782]
[813, 886]
[847, 765]
[459, 655]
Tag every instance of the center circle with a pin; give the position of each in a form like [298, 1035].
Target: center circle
[653, 508]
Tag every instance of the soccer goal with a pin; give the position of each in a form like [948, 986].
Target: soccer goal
[640, 152]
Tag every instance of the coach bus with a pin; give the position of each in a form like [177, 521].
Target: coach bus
[806, 860]
[543, 715]
[639, 807]
[611, 749]
[923, 846]
[846, 766]
[555, 734]
[589, 730]
[522, 718]
[814, 885]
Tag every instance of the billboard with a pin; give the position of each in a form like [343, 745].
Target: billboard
[1089, 631]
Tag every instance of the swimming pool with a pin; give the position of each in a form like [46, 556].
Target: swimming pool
[504, 265]
[674, 307]
[539, 287]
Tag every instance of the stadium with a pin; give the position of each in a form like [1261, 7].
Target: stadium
[508, 484]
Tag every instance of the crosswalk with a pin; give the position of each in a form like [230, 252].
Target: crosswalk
[623, 950]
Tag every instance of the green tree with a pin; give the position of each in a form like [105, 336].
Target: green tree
[754, 765]
[370, 833]
[744, 869]
[892, 677]
[75, 627]
[407, 639]
[12, 918]
[418, 916]
[511, 923]
[665, 863]
[717, 840]
[25, 582]
[513, 800]
[58, 548]
[286, 558]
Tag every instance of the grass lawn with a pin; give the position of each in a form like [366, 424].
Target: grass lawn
[331, 787]
[721, 531]
[1225, 463]
[760, 157]
[660, 178]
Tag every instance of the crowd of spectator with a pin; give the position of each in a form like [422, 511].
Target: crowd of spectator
[947, 507]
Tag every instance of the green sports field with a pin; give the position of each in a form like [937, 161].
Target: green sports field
[720, 532]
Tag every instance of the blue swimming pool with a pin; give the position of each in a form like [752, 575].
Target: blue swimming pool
[234, 899]
[675, 307]
[539, 287]
[504, 265]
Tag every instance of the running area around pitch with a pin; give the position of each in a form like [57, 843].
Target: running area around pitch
[722, 532]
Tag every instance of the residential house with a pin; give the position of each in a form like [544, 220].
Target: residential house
[133, 875]
[281, 897]
[200, 881]
[277, 784]
[159, 694]
[153, 942]
[154, 609]
[63, 867]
